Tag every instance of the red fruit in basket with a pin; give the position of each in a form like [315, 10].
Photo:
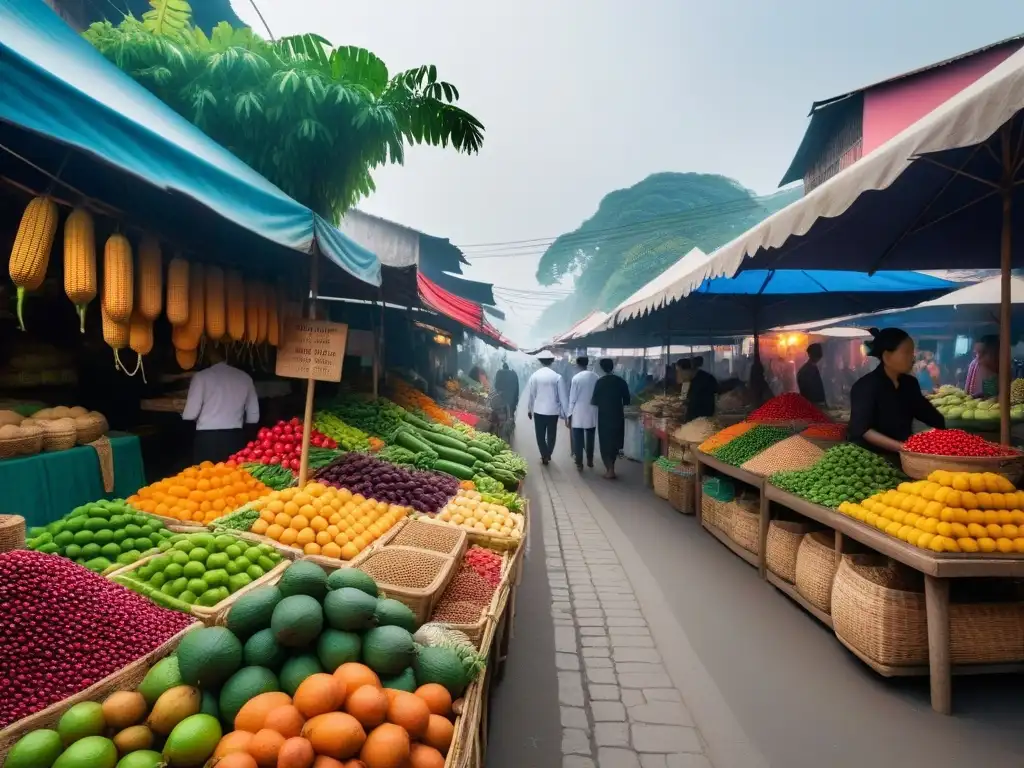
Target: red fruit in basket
[788, 407]
[955, 442]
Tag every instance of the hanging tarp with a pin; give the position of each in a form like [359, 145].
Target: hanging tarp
[443, 302]
[55, 87]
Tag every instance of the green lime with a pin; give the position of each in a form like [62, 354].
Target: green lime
[255, 572]
[184, 545]
[194, 570]
[217, 560]
[233, 551]
[157, 579]
[199, 555]
[179, 557]
[174, 571]
[197, 585]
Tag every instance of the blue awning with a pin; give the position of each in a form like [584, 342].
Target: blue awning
[55, 87]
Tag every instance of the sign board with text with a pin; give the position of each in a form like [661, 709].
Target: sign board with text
[311, 348]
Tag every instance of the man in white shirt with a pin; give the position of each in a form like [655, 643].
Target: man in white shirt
[546, 403]
[220, 400]
[582, 413]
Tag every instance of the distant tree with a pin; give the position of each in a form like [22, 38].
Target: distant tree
[314, 119]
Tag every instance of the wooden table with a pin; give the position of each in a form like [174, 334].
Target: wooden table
[938, 569]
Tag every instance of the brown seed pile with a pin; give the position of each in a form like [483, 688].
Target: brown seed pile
[793, 453]
[411, 568]
[436, 538]
[465, 599]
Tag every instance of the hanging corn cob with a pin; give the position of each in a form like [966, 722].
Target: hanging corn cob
[140, 339]
[216, 320]
[235, 288]
[262, 313]
[252, 312]
[186, 358]
[183, 339]
[118, 282]
[177, 291]
[149, 280]
[31, 253]
[80, 261]
[115, 334]
[273, 320]
[196, 323]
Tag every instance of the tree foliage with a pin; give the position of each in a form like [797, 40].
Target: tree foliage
[314, 119]
[638, 232]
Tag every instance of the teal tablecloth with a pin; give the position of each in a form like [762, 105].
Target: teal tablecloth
[47, 486]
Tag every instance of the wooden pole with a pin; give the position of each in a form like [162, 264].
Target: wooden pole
[1006, 262]
[307, 418]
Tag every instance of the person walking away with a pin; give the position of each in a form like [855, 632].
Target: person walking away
[221, 399]
[702, 392]
[808, 378]
[546, 403]
[582, 420]
[506, 382]
[611, 396]
[985, 382]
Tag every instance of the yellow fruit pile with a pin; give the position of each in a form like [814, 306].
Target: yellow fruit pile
[469, 511]
[322, 520]
[949, 512]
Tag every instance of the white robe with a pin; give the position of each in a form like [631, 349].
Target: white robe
[581, 392]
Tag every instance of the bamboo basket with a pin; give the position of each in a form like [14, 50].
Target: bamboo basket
[28, 444]
[815, 569]
[659, 476]
[487, 539]
[676, 450]
[58, 437]
[681, 492]
[12, 532]
[126, 679]
[919, 465]
[421, 600]
[492, 612]
[745, 527]
[711, 511]
[214, 614]
[90, 427]
[451, 540]
[784, 539]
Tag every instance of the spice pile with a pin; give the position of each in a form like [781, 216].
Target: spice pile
[935, 514]
[825, 431]
[486, 562]
[955, 442]
[788, 455]
[788, 407]
[56, 615]
[410, 568]
[724, 436]
[695, 431]
[467, 596]
[846, 472]
[745, 447]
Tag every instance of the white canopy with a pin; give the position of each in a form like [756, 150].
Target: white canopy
[583, 327]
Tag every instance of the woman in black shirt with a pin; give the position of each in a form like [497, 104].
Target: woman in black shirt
[885, 402]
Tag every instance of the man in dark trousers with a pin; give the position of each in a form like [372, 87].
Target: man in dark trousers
[808, 378]
[611, 396]
[546, 403]
[507, 383]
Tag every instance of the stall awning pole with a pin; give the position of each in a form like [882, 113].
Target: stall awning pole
[307, 419]
[1006, 262]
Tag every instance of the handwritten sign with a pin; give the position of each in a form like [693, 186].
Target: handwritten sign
[311, 348]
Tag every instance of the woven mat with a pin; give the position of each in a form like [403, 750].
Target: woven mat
[106, 456]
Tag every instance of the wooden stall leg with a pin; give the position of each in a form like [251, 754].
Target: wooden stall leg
[698, 488]
[936, 593]
[765, 520]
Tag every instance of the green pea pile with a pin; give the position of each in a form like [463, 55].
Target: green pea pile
[742, 449]
[846, 472]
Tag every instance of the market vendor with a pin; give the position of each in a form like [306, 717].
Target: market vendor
[221, 400]
[702, 391]
[808, 378]
[885, 402]
[984, 379]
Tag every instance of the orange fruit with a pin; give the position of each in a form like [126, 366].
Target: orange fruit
[439, 733]
[411, 713]
[265, 746]
[368, 704]
[335, 734]
[288, 536]
[439, 701]
[286, 720]
[388, 746]
[296, 753]
[254, 712]
[319, 694]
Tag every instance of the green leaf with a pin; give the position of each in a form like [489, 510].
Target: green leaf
[171, 18]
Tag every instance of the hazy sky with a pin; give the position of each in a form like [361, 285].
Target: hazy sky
[581, 97]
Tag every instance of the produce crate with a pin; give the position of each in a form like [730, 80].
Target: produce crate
[492, 613]
[214, 614]
[126, 679]
[445, 540]
[422, 600]
[493, 541]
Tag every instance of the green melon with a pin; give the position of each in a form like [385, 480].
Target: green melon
[442, 666]
[297, 621]
[297, 669]
[253, 611]
[304, 577]
[403, 681]
[350, 609]
[354, 578]
[209, 656]
[387, 650]
[263, 650]
[391, 613]
[245, 684]
[336, 647]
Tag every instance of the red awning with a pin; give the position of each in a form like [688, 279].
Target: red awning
[448, 304]
[495, 334]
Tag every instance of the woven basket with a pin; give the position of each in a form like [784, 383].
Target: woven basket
[90, 427]
[920, 465]
[711, 511]
[492, 612]
[659, 477]
[986, 633]
[421, 600]
[815, 569]
[676, 451]
[126, 679]
[12, 532]
[682, 492]
[58, 435]
[28, 444]
[745, 526]
[446, 540]
[784, 539]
